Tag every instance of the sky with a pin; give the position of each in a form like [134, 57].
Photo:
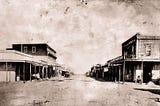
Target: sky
[82, 34]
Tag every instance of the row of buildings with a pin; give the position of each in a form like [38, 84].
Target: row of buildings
[28, 61]
[140, 59]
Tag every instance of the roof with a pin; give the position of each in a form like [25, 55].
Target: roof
[146, 37]
[140, 37]
[45, 59]
[115, 60]
[145, 60]
[36, 44]
[15, 56]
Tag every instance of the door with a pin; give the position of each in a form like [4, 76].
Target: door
[147, 70]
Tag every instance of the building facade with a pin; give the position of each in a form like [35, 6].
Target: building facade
[27, 62]
[140, 59]
[40, 49]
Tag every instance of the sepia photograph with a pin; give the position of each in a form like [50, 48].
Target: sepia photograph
[80, 53]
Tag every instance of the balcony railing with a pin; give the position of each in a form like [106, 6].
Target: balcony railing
[130, 56]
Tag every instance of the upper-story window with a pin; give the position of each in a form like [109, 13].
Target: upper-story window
[25, 49]
[33, 49]
[148, 49]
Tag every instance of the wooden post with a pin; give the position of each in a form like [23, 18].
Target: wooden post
[46, 72]
[18, 76]
[124, 71]
[142, 70]
[39, 68]
[119, 73]
[30, 70]
[24, 71]
[42, 72]
[35, 70]
[9, 75]
[6, 72]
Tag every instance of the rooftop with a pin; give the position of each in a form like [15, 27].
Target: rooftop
[15, 56]
[140, 37]
[35, 44]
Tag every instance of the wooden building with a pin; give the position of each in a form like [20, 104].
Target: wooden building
[114, 72]
[140, 58]
[39, 49]
[97, 71]
[27, 61]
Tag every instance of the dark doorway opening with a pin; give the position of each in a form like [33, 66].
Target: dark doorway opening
[147, 72]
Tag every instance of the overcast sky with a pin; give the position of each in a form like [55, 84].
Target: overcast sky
[82, 35]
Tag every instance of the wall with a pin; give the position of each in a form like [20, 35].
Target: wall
[156, 71]
[51, 53]
[149, 49]
[41, 49]
[8, 75]
[129, 48]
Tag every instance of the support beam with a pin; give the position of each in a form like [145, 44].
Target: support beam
[6, 72]
[142, 70]
[42, 72]
[24, 71]
[119, 73]
[124, 65]
[9, 72]
[19, 68]
[39, 71]
[35, 71]
[46, 72]
[30, 71]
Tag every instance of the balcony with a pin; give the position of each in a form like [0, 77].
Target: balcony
[130, 56]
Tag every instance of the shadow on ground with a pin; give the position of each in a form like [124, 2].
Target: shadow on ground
[98, 79]
[155, 99]
[155, 91]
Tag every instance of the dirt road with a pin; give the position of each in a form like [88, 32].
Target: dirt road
[75, 91]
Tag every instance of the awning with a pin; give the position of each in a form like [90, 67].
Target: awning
[15, 56]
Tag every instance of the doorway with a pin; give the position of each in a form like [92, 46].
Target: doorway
[147, 70]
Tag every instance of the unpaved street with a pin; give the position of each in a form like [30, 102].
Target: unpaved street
[75, 91]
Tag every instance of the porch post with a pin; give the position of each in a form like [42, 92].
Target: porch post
[119, 73]
[19, 70]
[124, 71]
[42, 72]
[47, 72]
[142, 70]
[35, 71]
[6, 72]
[30, 70]
[23, 71]
[39, 71]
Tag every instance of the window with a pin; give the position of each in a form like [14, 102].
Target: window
[148, 49]
[33, 49]
[25, 49]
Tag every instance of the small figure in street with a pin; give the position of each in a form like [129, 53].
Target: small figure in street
[139, 80]
[150, 76]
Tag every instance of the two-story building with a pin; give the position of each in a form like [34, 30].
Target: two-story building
[140, 58]
[27, 61]
[39, 49]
